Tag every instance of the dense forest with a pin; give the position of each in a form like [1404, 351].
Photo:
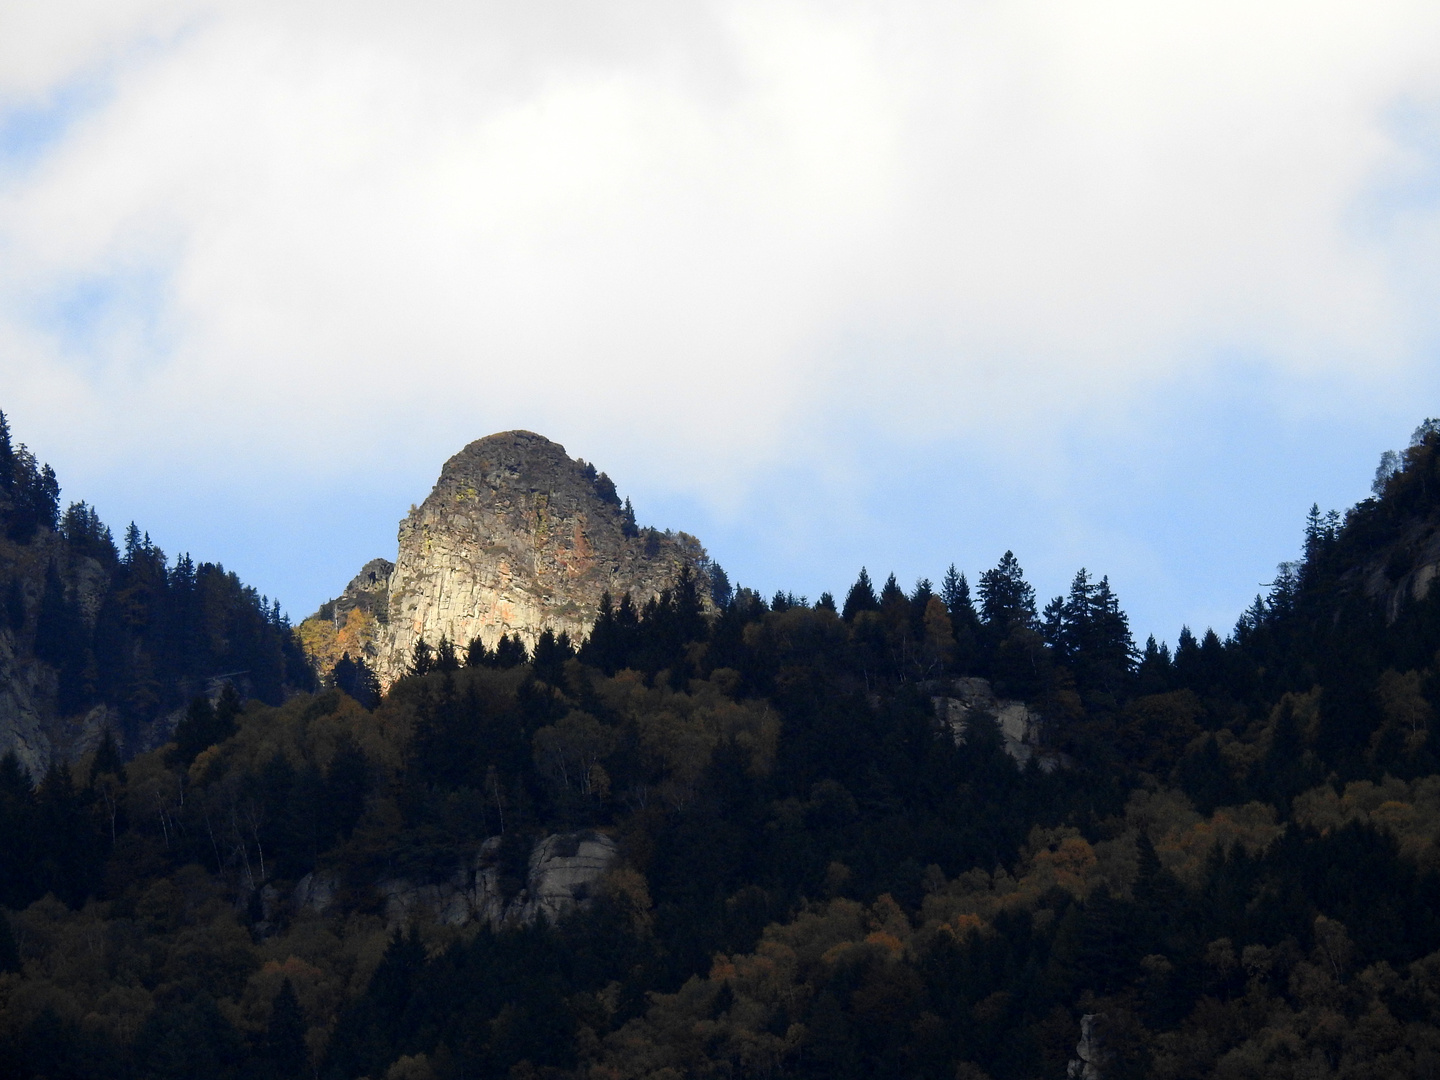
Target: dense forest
[121, 628]
[1226, 863]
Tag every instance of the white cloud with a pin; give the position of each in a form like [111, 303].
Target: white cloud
[707, 227]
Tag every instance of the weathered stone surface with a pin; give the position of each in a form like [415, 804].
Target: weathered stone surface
[967, 699]
[564, 870]
[29, 722]
[1404, 571]
[1091, 1056]
[516, 538]
[26, 688]
[369, 591]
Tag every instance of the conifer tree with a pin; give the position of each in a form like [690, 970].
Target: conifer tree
[422, 658]
[355, 678]
[721, 592]
[7, 459]
[955, 592]
[1007, 600]
[861, 597]
[551, 653]
[445, 658]
[197, 730]
[107, 758]
[476, 655]
[510, 651]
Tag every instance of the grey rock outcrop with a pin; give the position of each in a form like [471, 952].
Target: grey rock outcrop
[25, 688]
[966, 701]
[1404, 571]
[30, 724]
[516, 538]
[562, 874]
[368, 590]
[1090, 1052]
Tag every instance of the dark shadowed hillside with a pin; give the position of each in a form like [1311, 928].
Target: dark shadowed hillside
[96, 636]
[924, 832]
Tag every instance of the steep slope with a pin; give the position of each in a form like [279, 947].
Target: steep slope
[95, 636]
[517, 537]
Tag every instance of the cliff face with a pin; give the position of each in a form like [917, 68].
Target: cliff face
[1405, 570]
[516, 538]
[30, 723]
[564, 871]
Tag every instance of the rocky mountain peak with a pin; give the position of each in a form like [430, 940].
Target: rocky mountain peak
[515, 538]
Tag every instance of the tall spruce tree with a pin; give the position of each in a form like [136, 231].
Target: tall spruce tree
[1007, 600]
[861, 597]
[7, 458]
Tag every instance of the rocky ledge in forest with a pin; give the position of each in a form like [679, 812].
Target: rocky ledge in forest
[562, 873]
[958, 702]
[516, 538]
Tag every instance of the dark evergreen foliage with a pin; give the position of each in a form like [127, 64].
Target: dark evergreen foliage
[861, 597]
[356, 678]
[422, 658]
[284, 1049]
[817, 877]
[445, 658]
[721, 592]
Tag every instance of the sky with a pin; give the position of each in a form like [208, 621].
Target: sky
[1118, 285]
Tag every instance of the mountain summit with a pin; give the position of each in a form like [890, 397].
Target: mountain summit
[516, 538]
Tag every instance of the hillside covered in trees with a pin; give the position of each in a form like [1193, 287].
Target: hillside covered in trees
[1225, 863]
[97, 637]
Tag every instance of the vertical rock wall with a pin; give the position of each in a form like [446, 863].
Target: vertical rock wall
[518, 537]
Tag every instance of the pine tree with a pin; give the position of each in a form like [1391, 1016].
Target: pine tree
[1153, 674]
[891, 593]
[721, 592]
[355, 678]
[196, 730]
[689, 612]
[134, 546]
[861, 597]
[510, 651]
[107, 758]
[627, 519]
[605, 488]
[227, 711]
[53, 629]
[422, 658]
[445, 658]
[7, 459]
[551, 653]
[476, 655]
[955, 592]
[46, 499]
[1007, 600]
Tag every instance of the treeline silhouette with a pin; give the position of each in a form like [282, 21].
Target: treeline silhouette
[122, 626]
[1223, 862]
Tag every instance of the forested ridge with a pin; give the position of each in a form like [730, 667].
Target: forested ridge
[118, 634]
[1225, 863]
